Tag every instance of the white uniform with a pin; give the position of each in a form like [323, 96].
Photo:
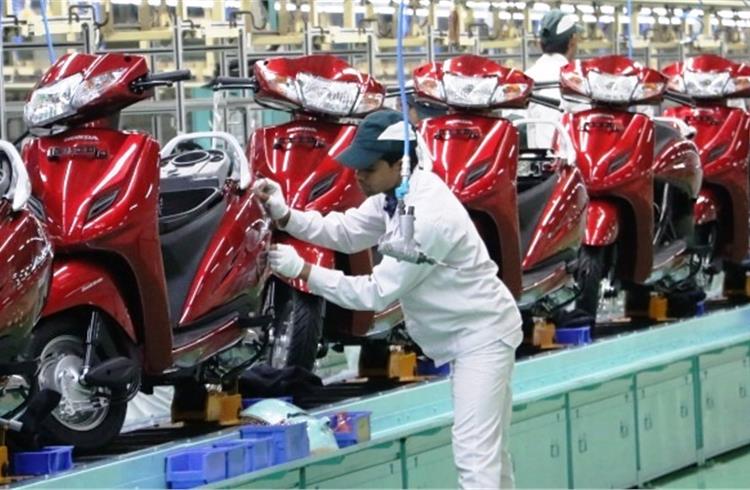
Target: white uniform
[463, 313]
[546, 69]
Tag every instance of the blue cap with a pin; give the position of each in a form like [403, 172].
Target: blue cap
[380, 133]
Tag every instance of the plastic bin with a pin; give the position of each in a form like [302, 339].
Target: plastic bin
[573, 336]
[700, 308]
[426, 367]
[51, 459]
[289, 442]
[246, 402]
[350, 427]
[256, 454]
[195, 467]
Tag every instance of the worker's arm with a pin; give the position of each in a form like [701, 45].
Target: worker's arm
[390, 279]
[353, 231]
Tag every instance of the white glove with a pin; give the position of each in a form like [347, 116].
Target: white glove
[274, 202]
[285, 261]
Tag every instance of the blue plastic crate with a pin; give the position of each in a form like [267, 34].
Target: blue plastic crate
[235, 459]
[426, 367]
[573, 336]
[350, 427]
[700, 308]
[256, 453]
[247, 402]
[290, 442]
[198, 466]
[51, 459]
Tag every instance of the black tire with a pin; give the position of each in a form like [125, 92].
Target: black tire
[297, 328]
[591, 271]
[68, 332]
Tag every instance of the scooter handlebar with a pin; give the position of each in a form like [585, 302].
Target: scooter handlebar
[164, 79]
[170, 76]
[232, 83]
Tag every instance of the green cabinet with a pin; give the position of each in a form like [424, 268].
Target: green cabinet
[666, 420]
[539, 451]
[725, 400]
[603, 442]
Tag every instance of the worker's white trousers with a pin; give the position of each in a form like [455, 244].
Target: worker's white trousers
[482, 407]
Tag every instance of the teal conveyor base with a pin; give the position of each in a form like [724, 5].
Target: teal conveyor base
[617, 413]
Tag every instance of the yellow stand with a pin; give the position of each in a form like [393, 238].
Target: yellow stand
[544, 336]
[657, 307]
[397, 365]
[220, 407]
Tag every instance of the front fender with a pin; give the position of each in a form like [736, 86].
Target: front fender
[602, 224]
[706, 208]
[313, 254]
[77, 282]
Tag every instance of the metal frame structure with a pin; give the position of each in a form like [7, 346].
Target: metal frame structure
[221, 37]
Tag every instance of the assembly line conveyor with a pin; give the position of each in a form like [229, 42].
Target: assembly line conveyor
[617, 413]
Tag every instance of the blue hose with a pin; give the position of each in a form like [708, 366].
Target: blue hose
[48, 35]
[403, 188]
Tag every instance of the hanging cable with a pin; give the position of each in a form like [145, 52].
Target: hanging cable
[47, 33]
[403, 188]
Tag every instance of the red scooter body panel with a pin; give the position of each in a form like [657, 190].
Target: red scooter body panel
[235, 261]
[563, 221]
[300, 156]
[477, 158]
[723, 138]
[678, 164]
[615, 154]
[83, 282]
[602, 223]
[71, 176]
[26, 258]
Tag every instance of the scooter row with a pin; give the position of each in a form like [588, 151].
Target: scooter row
[159, 273]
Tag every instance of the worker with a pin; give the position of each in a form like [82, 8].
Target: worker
[457, 311]
[558, 38]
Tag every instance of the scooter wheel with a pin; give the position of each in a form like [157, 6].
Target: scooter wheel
[84, 418]
[591, 271]
[297, 328]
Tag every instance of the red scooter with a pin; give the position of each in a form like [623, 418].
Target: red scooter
[529, 204]
[643, 177]
[159, 266]
[26, 259]
[325, 96]
[723, 139]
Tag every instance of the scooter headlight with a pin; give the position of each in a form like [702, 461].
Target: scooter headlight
[469, 91]
[92, 88]
[51, 103]
[611, 88]
[327, 96]
[281, 84]
[705, 85]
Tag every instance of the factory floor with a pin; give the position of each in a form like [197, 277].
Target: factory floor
[731, 470]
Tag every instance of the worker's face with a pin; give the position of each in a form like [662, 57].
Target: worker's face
[381, 177]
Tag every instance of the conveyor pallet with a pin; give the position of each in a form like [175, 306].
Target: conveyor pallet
[617, 413]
